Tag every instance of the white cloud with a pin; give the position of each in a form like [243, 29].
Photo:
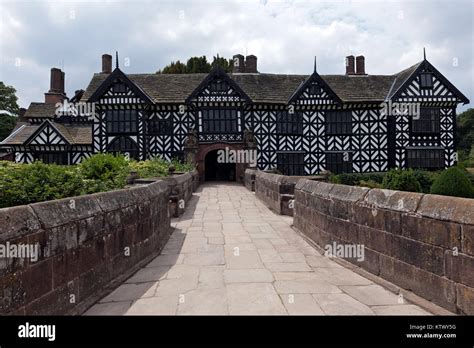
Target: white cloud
[285, 36]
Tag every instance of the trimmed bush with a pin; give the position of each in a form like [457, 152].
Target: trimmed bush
[453, 182]
[401, 180]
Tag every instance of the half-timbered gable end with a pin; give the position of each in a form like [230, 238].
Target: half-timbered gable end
[300, 124]
[120, 117]
[430, 135]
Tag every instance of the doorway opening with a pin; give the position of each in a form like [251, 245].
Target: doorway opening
[215, 171]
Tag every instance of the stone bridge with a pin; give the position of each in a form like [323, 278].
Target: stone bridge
[228, 250]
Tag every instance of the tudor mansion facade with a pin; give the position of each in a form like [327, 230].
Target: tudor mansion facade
[299, 124]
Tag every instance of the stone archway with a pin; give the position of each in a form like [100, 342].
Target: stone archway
[205, 149]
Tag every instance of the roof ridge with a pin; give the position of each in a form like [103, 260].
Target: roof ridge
[407, 69]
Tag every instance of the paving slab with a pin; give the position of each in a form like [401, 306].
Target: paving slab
[229, 254]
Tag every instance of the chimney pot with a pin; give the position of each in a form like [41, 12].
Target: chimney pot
[106, 63]
[360, 65]
[251, 64]
[239, 64]
[350, 69]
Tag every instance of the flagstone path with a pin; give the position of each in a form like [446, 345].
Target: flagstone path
[229, 254]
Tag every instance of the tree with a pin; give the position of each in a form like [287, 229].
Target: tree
[196, 65]
[8, 110]
[173, 68]
[465, 134]
[225, 64]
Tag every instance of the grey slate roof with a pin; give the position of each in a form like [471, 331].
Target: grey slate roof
[261, 88]
[401, 77]
[38, 110]
[74, 134]
[20, 134]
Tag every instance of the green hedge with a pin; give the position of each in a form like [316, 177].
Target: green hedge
[36, 182]
[455, 181]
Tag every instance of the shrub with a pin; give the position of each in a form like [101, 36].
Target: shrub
[357, 178]
[103, 172]
[401, 180]
[425, 178]
[182, 166]
[335, 179]
[453, 182]
[37, 182]
[155, 167]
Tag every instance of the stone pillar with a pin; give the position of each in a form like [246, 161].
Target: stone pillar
[249, 145]
[191, 147]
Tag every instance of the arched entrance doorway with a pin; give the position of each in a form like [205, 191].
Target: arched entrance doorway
[215, 171]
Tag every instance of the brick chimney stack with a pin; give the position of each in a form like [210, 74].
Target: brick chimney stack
[56, 90]
[360, 65]
[106, 63]
[239, 64]
[251, 64]
[350, 68]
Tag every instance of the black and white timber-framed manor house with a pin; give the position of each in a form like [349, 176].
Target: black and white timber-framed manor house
[300, 124]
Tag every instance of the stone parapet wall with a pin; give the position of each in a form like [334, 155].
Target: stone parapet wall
[275, 190]
[85, 244]
[249, 179]
[420, 242]
[181, 189]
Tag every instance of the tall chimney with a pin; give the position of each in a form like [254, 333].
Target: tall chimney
[251, 64]
[56, 90]
[239, 65]
[350, 70]
[106, 63]
[56, 83]
[360, 65]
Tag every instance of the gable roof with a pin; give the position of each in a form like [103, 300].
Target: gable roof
[43, 126]
[20, 134]
[217, 72]
[266, 88]
[400, 79]
[109, 80]
[73, 134]
[406, 76]
[314, 77]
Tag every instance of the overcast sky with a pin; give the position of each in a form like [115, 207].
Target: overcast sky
[284, 35]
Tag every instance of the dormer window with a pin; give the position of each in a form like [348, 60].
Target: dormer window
[426, 80]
